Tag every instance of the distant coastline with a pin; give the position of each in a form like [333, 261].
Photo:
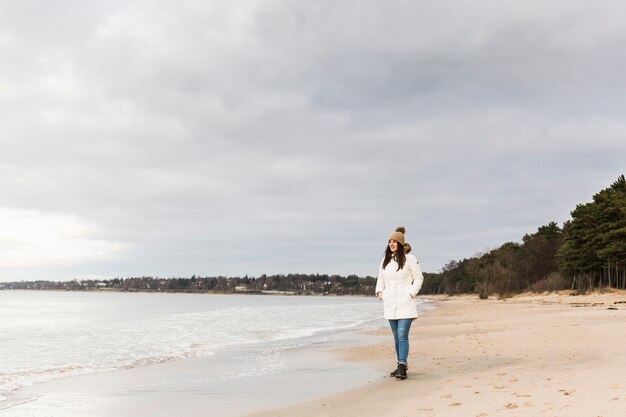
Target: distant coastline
[291, 284]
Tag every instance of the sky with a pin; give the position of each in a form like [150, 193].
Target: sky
[225, 137]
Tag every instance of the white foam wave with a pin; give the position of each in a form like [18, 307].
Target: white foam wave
[99, 334]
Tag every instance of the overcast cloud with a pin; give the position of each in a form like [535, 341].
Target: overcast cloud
[248, 137]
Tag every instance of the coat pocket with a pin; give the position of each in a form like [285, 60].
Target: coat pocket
[405, 299]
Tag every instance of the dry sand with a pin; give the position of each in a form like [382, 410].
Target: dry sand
[531, 355]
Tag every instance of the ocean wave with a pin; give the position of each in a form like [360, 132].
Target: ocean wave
[97, 333]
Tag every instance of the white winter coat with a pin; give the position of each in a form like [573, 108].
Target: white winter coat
[399, 288]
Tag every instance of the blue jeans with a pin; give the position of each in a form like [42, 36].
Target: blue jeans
[400, 329]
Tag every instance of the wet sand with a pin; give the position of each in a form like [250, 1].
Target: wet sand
[554, 355]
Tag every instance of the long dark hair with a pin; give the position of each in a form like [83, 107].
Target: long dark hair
[399, 256]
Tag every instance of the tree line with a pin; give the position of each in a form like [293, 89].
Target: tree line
[588, 252]
[289, 283]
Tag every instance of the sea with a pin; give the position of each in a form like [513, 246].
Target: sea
[46, 335]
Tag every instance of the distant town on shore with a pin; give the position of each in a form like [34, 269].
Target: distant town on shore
[270, 284]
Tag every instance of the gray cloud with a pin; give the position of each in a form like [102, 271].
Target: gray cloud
[274, 137]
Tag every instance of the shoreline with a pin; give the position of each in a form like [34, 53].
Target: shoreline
[532, 355]
[203, 385]
[552, 355]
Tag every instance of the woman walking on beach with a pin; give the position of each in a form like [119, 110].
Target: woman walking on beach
[399, 280]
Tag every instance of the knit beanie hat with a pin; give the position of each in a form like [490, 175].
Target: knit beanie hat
[398, 236]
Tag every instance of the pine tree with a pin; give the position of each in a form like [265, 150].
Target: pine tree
[594, 248]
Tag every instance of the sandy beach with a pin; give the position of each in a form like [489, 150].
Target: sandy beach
[555, 355]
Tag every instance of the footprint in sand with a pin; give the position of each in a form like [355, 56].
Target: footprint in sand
[499, 387]
[455, 404]
[521, 395]
[511, 406]
[567, 391]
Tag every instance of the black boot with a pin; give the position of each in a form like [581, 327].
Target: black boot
[395, 371]
[401, 371]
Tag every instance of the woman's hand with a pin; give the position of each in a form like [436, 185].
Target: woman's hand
[379, 295]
